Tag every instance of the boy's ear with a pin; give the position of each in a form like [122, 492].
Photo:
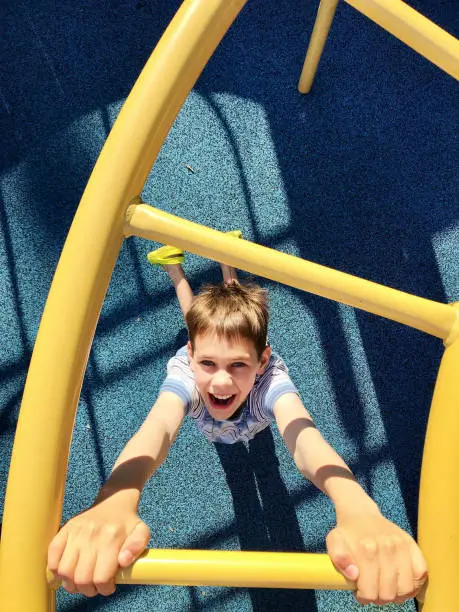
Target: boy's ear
[264, 359]
[190, 351]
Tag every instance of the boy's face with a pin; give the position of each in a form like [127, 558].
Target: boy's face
[225, 371]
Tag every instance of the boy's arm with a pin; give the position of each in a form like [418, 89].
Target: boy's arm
[384, 560]
[89, 549]
[146, 451]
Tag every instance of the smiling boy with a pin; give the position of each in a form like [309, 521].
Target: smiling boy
[231, 383]
[226, 376]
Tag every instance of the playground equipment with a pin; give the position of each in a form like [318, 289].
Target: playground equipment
[39, 461]
[396, 17]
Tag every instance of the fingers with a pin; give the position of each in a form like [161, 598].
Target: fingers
[77, 560]
[68, 562]
[98, 562]
[134, 545]
[393, 572]
[62, 558]
[84, 570]
[106, 567]
[403, 569]
[396, 577]
[367, 559]
[84, 554]
[56, 548]
[387, 568]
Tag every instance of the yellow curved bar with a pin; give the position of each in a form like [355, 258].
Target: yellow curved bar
[36, 480]
[428, 316]
[233, 569]
[438, 524]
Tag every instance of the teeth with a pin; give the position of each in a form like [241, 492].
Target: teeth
[222, 397]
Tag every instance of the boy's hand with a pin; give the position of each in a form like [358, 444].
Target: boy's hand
[89, 549]
[384, 561]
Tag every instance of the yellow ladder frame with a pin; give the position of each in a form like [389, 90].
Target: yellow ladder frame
[396, 17]
[110, 211]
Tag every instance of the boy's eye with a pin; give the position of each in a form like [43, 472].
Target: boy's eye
[206, 363]
[239, 364]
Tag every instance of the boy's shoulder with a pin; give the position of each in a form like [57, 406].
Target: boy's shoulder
[180, 362]
[276, 362]
[182, 352]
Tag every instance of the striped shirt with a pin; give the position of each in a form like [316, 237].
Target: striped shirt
[256, 412]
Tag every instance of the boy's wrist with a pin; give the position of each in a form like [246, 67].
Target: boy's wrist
[355, 507]
[122, 497]
[350, 499]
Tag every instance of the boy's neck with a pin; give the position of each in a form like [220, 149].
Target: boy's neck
[237, 413]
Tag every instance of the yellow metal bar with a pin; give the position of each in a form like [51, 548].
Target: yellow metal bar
[395, 16]
[39, 462]
[415, 30]
[431, 317]
[438, 524]
[233, 569]
[322, 25]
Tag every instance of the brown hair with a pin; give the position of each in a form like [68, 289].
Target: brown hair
[231, 310]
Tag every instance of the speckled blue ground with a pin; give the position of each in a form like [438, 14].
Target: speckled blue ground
[361, 175]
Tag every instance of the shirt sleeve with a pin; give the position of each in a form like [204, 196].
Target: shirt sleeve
[179, 379]
[276, 383]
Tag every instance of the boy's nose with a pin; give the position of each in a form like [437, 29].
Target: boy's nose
[221, 379]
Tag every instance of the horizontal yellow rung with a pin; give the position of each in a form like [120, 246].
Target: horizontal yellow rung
[441, 320]
[232, 569]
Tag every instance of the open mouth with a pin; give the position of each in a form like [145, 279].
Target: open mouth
[221, 402]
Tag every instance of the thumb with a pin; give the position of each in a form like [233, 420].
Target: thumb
[341, 555]
[134, 544]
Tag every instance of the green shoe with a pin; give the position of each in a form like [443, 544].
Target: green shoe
[166, 256]
[234, 233]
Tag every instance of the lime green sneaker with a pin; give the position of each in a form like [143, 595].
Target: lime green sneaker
[166, 256]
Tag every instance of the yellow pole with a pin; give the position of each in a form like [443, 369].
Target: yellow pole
[438, 523]
[440, 320]
[36, 480]
[234, 569]
[322, 25]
